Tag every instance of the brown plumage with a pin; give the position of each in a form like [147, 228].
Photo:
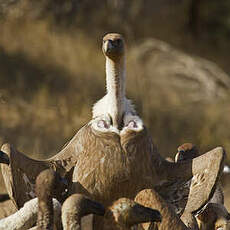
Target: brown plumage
[48, 185]
[113, 156]
[75, 207]
[7, 208]
[125, 213]
[20, 175]
[111, 164]
[170, 220]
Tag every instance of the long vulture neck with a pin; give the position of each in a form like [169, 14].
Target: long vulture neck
[72, 221]
[115, 85]
[45, 214]
[71, 215]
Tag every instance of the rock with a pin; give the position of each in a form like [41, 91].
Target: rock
[178, 76]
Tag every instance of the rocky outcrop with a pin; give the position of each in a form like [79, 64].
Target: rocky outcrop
[175, 75]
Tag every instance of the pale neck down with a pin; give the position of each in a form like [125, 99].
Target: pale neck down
[45, 215]
[115, 78]
[115, 85]
[71, 221]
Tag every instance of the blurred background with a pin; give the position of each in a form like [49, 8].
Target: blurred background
[52, 69]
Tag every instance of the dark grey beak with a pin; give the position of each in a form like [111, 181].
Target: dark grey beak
[4, 197]
[144, 214]
[180, 156]
[64, 187]
[96, 208]
[64, 182]
[154, 215]
[109, 46]
[4, 159]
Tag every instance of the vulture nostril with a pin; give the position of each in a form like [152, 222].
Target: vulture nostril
[110, 41]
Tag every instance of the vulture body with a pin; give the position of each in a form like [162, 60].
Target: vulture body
[113, 155]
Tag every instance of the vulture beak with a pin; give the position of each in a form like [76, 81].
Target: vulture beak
[4, 159]
[180, 155]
